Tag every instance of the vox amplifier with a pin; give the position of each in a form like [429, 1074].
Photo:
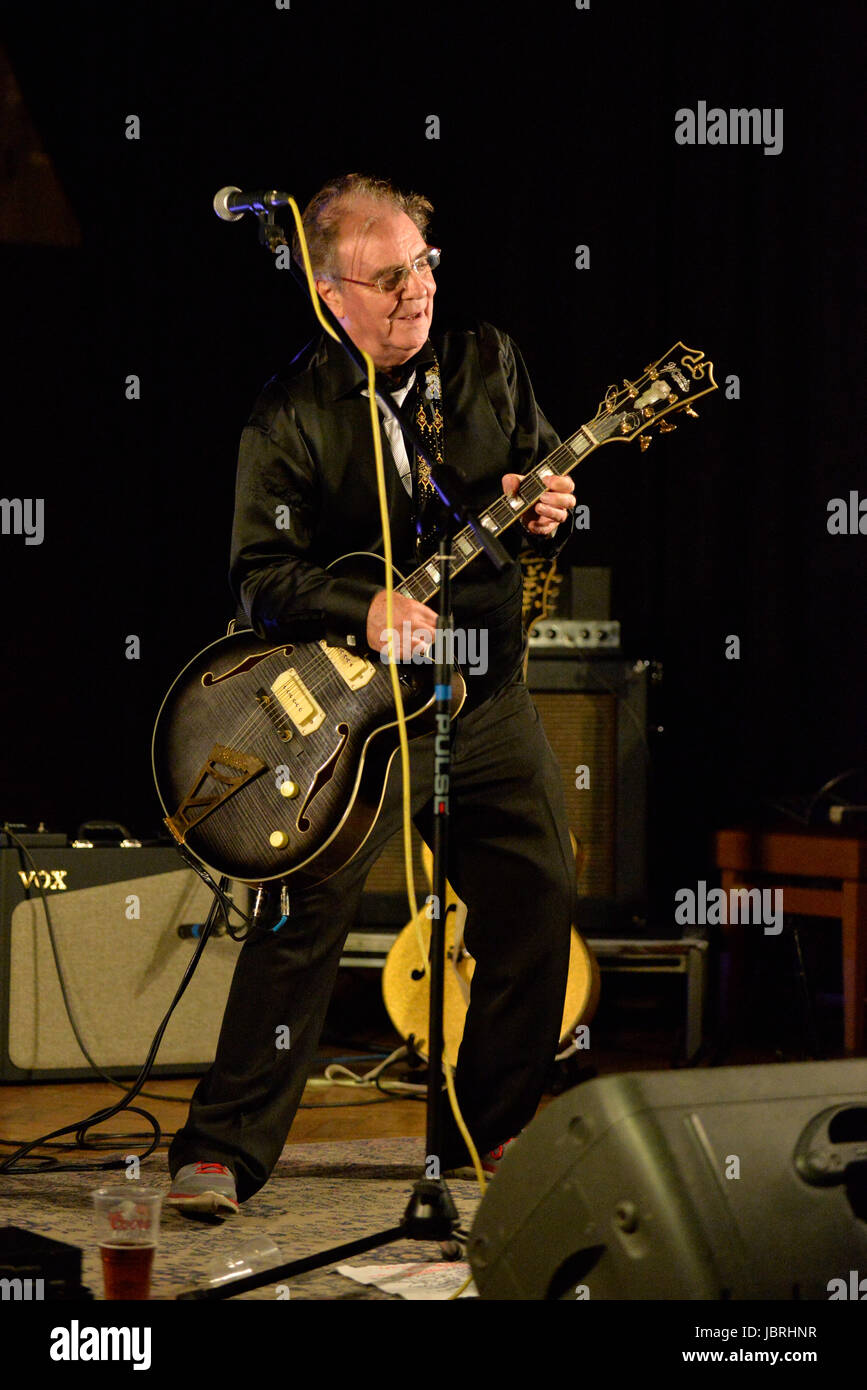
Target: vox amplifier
[125, 923]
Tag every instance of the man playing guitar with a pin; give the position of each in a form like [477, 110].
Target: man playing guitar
[307, 448]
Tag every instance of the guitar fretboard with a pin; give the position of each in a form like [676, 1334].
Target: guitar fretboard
[423, 583]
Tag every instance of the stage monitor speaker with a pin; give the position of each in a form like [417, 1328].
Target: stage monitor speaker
[731, 1183]
[594, 713]
[124, 923]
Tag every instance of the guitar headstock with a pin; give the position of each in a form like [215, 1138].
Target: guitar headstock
[669, 386]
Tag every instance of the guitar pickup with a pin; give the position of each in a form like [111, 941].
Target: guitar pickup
[301, 706]
[354, 669]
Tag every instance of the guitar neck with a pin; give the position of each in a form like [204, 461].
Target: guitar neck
[423, 583]
[672, 383]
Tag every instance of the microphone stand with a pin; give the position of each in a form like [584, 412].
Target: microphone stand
[431, 1213]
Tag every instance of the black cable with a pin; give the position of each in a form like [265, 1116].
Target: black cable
[226, 902]
[110, 1140]
[829, 786]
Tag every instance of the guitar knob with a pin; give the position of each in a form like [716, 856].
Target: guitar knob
[278, 839]
[289, 789]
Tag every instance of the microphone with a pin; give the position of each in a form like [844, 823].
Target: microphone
[230, 203]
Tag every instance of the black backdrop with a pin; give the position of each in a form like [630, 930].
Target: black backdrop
[556, 129]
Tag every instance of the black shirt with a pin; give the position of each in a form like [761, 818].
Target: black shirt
[307, 447]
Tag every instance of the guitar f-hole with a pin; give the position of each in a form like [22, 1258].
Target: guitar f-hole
[323, 775]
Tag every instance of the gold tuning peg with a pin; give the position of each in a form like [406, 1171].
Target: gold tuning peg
[644, 441]
[665, 427]
[690, 411]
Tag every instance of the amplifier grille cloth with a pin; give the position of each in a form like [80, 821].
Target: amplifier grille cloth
[581, 728]
[121, 975]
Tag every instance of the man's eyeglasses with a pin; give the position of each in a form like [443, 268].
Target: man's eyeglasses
[394, 280]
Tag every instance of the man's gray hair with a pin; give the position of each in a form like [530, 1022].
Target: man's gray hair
[324, 212]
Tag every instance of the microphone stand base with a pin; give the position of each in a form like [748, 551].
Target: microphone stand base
[431, 1213]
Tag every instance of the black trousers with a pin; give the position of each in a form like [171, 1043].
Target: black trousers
[510, 860]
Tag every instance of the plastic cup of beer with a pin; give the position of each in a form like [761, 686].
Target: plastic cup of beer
[128, 1228]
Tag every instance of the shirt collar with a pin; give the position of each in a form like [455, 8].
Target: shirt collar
[344, 378]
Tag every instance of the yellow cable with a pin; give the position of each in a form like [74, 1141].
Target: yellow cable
[457, 1293]
[392, 664]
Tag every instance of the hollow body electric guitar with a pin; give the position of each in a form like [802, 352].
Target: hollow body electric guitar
[272, 758]
[406, 986]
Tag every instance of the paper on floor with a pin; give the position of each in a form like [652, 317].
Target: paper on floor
[438, 1280]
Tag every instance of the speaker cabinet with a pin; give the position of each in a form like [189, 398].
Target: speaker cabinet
[594, 713]
[595, 717]
[732, 1183]
[123, 923]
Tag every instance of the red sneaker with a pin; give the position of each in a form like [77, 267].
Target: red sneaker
[204, 1189]
[490, 1163]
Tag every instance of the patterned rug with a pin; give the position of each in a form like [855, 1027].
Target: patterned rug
[319, 1195]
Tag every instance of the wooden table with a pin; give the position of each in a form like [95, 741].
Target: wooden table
[781, 858]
